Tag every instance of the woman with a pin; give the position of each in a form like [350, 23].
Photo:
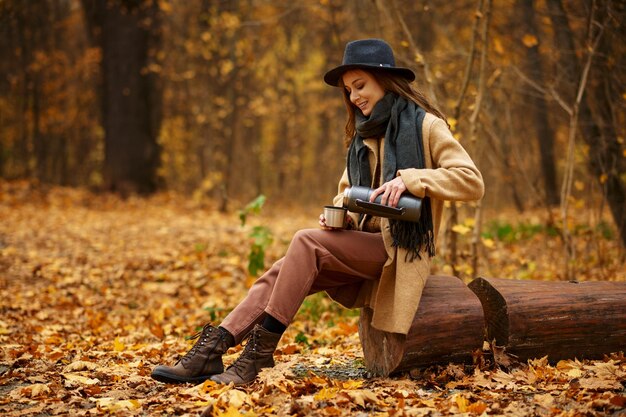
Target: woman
[397, 143]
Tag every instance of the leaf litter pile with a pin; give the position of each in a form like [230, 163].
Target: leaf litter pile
[96, 291]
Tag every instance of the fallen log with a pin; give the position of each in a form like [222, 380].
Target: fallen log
[448, 327]
[563, 320]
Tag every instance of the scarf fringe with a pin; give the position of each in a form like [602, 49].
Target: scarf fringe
[415, 237]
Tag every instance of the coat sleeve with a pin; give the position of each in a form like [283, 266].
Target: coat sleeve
[453, 176]
[338, 200]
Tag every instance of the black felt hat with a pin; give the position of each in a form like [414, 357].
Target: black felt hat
[367, 54]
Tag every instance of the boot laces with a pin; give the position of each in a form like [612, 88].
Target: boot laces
[203, 337]
[249, 352]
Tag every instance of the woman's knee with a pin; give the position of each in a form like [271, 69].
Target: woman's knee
[305, 235]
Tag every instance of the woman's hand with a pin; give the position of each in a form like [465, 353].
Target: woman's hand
[322, 222]
[391, 192]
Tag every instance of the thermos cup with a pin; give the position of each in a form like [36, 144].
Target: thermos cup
[335, 216]
[357, 200]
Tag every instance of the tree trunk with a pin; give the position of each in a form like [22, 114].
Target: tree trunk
[544, 132]
[563, 320]
[130, 92]
[448, 327]
[604, 93]
[40, 143]
[604, 155]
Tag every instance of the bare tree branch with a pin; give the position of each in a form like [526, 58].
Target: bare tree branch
[547, 93]
[483, 63]
[568, 179]
[470, 61]
[421, 61]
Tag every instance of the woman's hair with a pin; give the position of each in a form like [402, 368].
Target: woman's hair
[390, 83]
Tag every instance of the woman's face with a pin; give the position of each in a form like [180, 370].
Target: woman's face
[363, 89]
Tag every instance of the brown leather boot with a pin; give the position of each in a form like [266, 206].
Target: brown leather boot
[203, 360]
[257, 354]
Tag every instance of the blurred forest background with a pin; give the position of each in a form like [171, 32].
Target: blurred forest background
[224, 99]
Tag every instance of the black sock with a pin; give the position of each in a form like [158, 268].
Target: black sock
[272, 325]
[230, 339]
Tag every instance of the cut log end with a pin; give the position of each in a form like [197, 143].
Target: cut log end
[448, 327]
[382, 351]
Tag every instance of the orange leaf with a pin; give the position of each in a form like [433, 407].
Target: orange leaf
[530, 40]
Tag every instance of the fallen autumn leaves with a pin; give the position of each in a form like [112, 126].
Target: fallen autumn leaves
[96, 291]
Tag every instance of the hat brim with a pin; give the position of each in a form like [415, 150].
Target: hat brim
[333, 76]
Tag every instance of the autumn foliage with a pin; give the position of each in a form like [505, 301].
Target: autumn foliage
[97, 290]
[207, 105]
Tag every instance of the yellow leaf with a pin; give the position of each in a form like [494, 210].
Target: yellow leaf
[466, 269]
[460, 229]
[461, 402]
[118, 346]
[80, 366]
[352, 384]
[234, 398]
[130, 404]
[497, 45]
[488, 243]
[530, 40]
[111, 404]
[405, 44]
[226, 67]
[427, 402]
[579, 185]
[326, 394]
[452, 122]
[603, 178]
[74, 379]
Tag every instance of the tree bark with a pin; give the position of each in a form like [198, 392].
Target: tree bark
[126, 31]
[544, 132]
[448, 327]
[563, 320]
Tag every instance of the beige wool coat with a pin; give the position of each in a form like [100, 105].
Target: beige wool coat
[450, 174]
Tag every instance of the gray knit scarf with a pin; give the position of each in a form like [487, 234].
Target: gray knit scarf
[400, 120]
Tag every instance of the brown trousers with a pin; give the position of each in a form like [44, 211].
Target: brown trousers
[317, 260]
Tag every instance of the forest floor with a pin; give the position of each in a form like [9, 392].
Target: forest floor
[96, 291]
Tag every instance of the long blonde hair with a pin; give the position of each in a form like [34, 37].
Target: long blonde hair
[390, 83]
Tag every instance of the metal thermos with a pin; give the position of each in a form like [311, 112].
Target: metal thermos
[357, 200]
